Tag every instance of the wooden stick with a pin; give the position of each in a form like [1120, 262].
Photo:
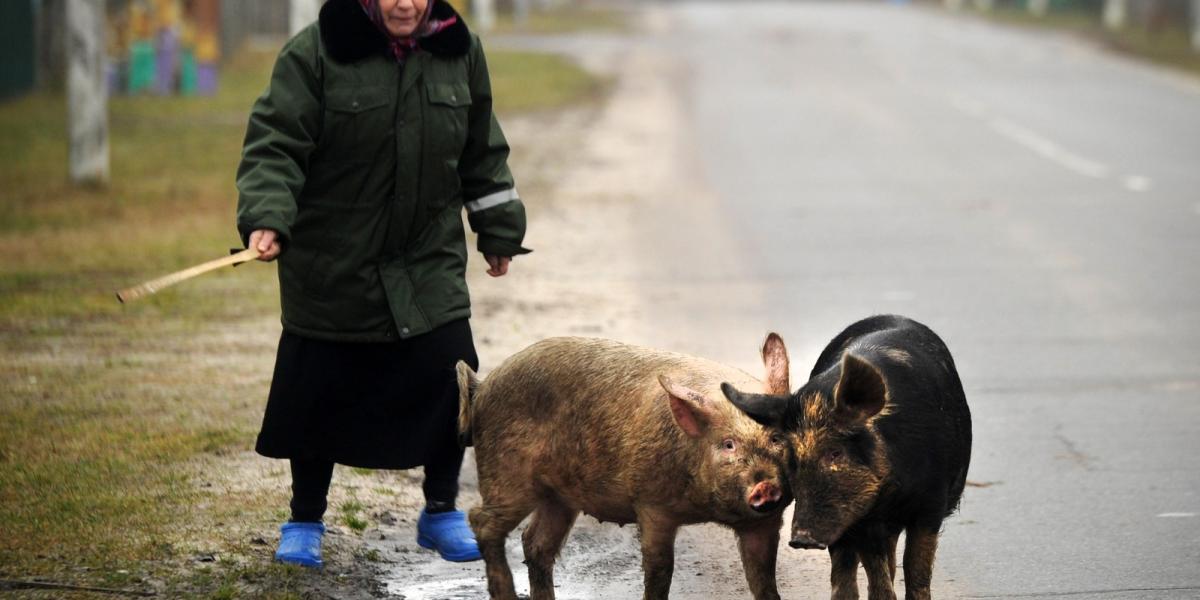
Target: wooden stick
[12, 584]
[154, 285]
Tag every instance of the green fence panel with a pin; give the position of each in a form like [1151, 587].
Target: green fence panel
[17, 67]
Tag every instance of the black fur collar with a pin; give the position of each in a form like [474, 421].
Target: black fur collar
[350, 36]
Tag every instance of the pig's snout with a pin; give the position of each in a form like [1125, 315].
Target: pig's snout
[801, 538]
[764, 496]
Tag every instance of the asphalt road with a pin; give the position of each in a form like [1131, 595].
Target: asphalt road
[1033, 199]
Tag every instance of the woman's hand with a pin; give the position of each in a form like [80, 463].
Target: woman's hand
[266, 242]
[498, 264]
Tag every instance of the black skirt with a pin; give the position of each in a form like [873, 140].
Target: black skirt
[372, 405]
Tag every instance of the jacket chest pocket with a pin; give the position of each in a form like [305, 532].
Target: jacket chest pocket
[358, 122]
[449, 107]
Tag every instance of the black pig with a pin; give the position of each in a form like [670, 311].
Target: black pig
[881, 440]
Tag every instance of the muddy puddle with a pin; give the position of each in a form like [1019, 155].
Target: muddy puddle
[597, 562]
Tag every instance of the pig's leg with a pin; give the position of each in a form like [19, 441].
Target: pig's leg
[920, 544]
[658, 554]
[892, 539]
[543, 539]
[758, 545]
[492, 524]
[844, 575]
[874, 556]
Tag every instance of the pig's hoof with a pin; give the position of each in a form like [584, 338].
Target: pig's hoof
[449, 534]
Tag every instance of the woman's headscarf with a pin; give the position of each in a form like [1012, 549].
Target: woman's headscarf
[403, 46]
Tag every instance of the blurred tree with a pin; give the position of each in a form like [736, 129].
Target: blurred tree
[484, 12]
[1116, 12]
[1196, 25]
[521, 12]
[301, 13]
[87, 91]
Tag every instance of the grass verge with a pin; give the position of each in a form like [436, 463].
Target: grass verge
[1168, 46]
[570, 18]
[559, 82]
[125, 431]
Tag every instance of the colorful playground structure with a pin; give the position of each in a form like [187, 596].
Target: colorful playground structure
[163, 47]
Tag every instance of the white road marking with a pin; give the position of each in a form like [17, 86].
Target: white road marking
[1043, 146]
[1049, 150]
[1177, 515]
[1137, 183]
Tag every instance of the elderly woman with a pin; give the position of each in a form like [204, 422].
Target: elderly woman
[375, 132]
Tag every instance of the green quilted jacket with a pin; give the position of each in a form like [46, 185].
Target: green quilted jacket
[364, 167]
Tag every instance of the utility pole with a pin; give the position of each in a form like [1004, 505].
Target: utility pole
[301, 14]
[485, 14]
[1196, 25]
[87, 95]
[521, 12]
[1116, 12]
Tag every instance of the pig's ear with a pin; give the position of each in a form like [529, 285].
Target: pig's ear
[692, 411]
[766, 409]
[775, 359]
[861, 391]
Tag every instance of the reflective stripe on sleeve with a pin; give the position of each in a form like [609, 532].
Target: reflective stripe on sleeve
[490, 200]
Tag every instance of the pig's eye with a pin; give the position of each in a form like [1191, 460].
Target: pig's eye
[729, 445]
[833, 455]
[777, 439]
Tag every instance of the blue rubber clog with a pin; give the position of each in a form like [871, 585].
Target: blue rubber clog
[449, 534]
[300, 544]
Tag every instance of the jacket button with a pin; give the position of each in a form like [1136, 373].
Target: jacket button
[453, 98]
[403, 331]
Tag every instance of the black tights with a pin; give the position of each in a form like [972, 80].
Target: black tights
[311, 477]
[310, 487]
